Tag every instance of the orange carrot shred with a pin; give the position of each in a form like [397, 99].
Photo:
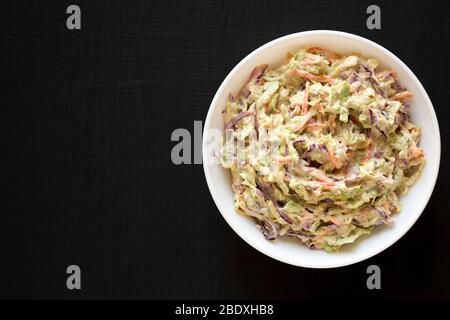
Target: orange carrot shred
[402, 96]
[329, 55]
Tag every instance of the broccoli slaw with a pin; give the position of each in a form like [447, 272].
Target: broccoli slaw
[320, 148]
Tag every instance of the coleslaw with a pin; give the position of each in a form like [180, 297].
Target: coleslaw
[320, 148]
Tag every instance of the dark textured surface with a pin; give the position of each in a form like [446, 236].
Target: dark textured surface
[85, 170]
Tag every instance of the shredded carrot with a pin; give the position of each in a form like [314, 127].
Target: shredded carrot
[336, 221]
[368, 151]
[289, 55]
[331, 122]
[366, 156]
[325, 181]
[415, 152]
[402, 96]
[362, 212]
[329, 55]
[311, 59]
[315, 125]
[302, 124]
[313, 77]
[284, 159]
[332, 157]
[384, 74]
[323, 95]
[328, 186]
[320, 176]
[319, 107]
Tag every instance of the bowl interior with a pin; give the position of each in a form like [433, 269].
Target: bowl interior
[413, 203]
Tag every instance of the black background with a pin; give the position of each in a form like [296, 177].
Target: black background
[86, 176]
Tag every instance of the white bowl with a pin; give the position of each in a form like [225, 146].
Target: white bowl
[413, 203]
